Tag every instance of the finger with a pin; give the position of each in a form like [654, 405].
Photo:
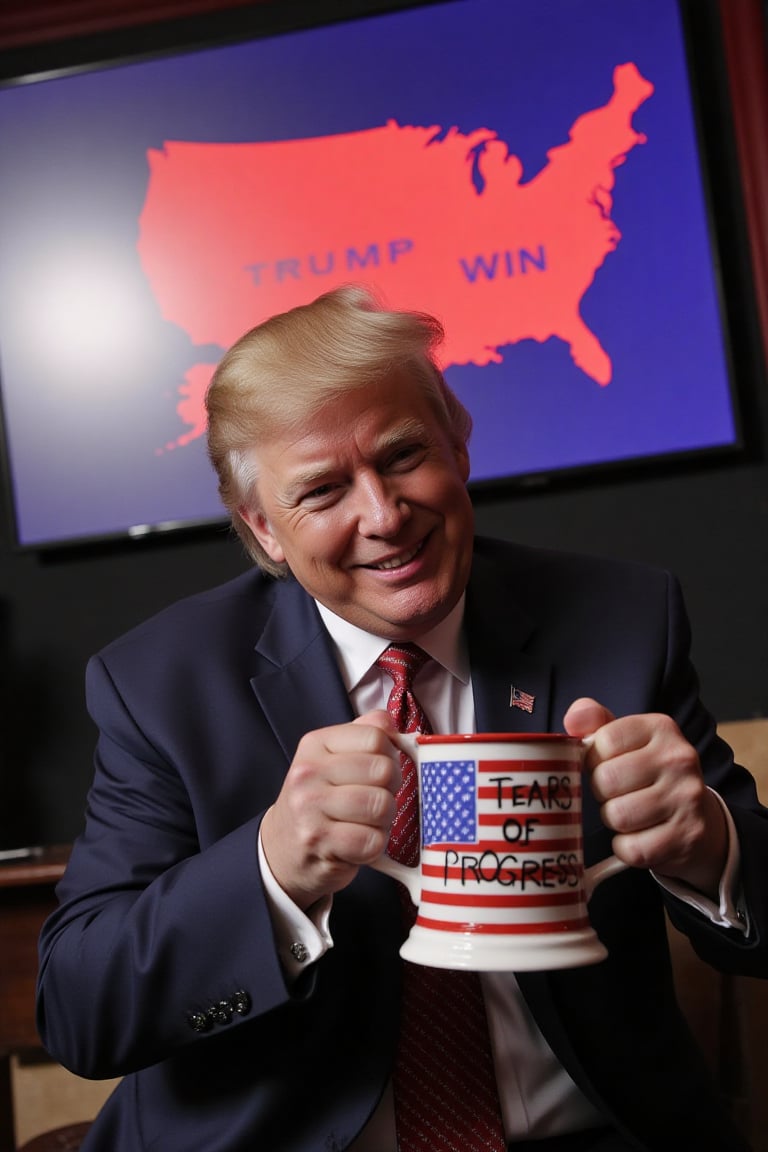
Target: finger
[635, 810]
[377, 719]
[384, 723]
[313, 777]
[368, 733]
[637, 752]
[354, 804]
[664, 841]
[349, 753]
[648, 848]
[643, 792]
[585, 716]
[355, 844]
[614, 771]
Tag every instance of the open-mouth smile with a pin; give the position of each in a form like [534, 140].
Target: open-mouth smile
[398, 561]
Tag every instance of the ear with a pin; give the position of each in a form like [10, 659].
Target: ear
[262, 530]
[461, 452]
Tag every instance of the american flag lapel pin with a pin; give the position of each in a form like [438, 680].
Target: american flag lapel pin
[520, 699]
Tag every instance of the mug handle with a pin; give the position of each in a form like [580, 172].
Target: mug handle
[595, 874]
[409, 877]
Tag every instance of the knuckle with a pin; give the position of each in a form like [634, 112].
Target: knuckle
[386, 773]
[374, 805]
[366, 844]
[641, 854]
[380, 769]
[608, 778]
[615, 814]
[375, 843]
[298, 779]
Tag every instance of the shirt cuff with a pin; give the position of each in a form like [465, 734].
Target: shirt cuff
[302, 937]
[730, 911]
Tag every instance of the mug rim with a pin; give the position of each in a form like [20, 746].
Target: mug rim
[497, 738]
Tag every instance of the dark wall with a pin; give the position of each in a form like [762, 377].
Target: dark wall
[709, 524]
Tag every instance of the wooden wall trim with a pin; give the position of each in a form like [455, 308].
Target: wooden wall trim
[30, 22]
[744, 43]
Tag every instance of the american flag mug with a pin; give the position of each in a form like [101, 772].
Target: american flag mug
[501, 883]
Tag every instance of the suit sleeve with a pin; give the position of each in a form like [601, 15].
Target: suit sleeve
[153, 936]
[726, 949]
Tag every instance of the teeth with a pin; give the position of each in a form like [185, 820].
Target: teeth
[399, 562]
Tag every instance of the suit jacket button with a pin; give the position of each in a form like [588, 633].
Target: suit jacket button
[199, 1022]
[221, 1012]
[241, 1002]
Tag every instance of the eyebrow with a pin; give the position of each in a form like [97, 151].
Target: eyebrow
[306, 481]
[393, 438]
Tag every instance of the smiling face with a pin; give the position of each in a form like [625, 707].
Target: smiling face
[369, 508]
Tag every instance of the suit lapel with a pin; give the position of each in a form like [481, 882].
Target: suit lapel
[298, 682]
[498, 628]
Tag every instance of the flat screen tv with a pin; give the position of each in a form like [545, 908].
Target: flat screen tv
[532, 172]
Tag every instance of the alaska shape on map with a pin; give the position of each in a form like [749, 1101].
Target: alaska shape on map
[437, 220]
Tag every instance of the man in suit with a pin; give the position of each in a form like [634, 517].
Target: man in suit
[221, 941]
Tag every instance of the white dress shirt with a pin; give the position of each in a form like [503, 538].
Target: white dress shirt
[538, 1097]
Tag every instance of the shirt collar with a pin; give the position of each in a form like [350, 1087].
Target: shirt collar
[358, 650]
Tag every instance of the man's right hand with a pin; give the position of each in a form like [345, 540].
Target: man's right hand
[335, 809]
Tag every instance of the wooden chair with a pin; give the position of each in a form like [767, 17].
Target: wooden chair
[68, 1139]
[26, 898]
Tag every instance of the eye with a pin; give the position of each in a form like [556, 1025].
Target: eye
[321, 494]
[406, 456]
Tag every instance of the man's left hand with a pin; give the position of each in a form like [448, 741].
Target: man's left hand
[648, 781]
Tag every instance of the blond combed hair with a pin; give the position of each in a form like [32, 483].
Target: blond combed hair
[282, 371]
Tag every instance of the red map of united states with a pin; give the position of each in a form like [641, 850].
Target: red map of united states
[438, 220]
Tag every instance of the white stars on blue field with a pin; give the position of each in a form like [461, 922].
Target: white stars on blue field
[448, 802]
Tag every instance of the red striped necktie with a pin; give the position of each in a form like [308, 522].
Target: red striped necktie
[444, 1080]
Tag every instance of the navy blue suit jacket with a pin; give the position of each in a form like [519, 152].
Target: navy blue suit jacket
[162, 914]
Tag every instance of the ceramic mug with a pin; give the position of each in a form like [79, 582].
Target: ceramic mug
[501, 883]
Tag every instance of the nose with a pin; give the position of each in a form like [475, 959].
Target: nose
[380, 509]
